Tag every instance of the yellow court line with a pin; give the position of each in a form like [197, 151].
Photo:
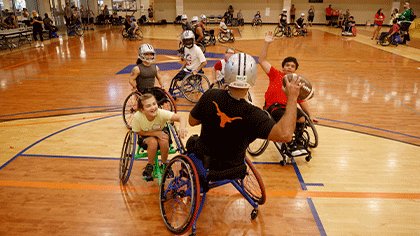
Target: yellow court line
[271, 193]
[57, 121]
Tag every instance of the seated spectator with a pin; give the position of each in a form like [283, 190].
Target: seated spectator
[240, 18]
[49, 25]
[10, 21]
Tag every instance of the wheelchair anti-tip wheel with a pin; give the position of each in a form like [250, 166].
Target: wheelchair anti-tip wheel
[130, 107]
[127, 156]
[253, 183]
[193, 86]
[179, 195]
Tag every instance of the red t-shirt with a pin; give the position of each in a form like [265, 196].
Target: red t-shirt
[394, 28]
[377, 16]
[218, 65]
[329, 10]
[275, 93]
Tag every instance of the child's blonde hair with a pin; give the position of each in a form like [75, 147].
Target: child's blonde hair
[143, 98]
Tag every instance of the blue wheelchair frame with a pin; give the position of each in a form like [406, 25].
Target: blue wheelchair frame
[190, 163]
[177, 90]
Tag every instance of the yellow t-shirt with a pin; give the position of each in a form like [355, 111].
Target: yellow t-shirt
[141, 123]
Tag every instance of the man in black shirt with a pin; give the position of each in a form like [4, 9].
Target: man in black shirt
[229, 123]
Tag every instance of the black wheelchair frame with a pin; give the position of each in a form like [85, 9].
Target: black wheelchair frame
[384, 41]
[280, 30]
[310, 136]
[138, 35]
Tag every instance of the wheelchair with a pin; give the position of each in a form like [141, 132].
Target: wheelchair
[127, 34]
[296, 31]
[130, 105]
[75, 29]
[281, 30]
[130, 152]
[190, 87]
[225, 37]
[257, 22]
[384, 41]
[310, 138]
[349, 31]
[209, 38]
[180, 192]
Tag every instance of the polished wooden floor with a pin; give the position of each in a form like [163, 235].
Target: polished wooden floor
[61, 134]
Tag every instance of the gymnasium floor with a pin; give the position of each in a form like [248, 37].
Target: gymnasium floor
[62, 132]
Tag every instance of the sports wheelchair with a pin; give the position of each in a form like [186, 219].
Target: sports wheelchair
[384, 40]
[75, 29]
[191, 86]
[349, 31]
[181, 47]
[281, 30]
[257, 22]
[296, 31]
[130, 106]
[225, 37]
[209, 38]
[310, 140]
[186, 180]
[129, 35]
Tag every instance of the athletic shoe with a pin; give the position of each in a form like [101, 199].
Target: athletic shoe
[148, 172]
[37, 45]
[42, 45]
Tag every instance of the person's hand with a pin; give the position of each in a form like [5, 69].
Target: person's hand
[292, 88]
[133, 89]
[313, 119]
[162, 136]
[194, 72]
[269, 37]
[182, 133]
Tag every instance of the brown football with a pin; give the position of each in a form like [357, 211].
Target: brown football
[306, 91]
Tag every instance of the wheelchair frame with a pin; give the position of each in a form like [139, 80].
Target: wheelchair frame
[280, 31]
[138, 35]
[130, 104]
[75, 29]
[261, 144]
[225, 37]
[182, 191]
[191, 87]
[387, 41]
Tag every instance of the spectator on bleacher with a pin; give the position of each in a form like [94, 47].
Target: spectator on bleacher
[10, 21]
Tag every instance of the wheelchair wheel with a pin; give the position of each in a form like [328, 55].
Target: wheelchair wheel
[164, 100]
[207, 39]
[179, 195]
[257, 147]
[79, 30]
[310, 134]
[235, 22]
[127, 156]
[278, 31]
[259, 22]
[253, 183]
[223, 37]
[202, 47]
[384, 41]
[124, 33]
[193, 86]
[295, 31]
[354, 31]
[138, 34]
[130, 108]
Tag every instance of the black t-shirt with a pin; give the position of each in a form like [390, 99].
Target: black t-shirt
[36, 25]
[228, 126]
[300, 21]
[283, 19]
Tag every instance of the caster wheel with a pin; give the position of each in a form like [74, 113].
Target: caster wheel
[254, 214]
[308, 158]
[282, 163]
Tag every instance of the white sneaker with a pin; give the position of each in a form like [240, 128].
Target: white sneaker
[37, 45]
[42, 45]
[296, 153]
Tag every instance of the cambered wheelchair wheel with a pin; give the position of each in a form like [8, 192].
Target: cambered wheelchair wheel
[138, 34]
[78, 30]
[253, 183]
[257, 147]
[193, 86]
[129, 108]
[223, 37]
[127, 156]
[310, 134]
[124, 33]
[179, 195]
[384, 41]
[278, 31]
[295, 31]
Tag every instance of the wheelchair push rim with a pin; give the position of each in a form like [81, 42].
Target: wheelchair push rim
[130, 107]
[179, 195]
[193, 86]
[253, 183]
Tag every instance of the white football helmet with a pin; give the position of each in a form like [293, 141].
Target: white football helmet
[203, 17]
[188, 38]
[184, 17]
[241, 71]
[194, 20]
[284, 10]
[147, 48]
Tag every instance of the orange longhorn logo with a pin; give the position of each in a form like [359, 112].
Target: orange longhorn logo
[224, 118]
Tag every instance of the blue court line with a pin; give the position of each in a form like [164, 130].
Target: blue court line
[316, 217]
[62, 109]
[359, 78]
[30, 146]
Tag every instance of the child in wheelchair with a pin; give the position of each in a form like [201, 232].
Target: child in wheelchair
[150, 124]
[223, 28]
[74, 23]
[133, 27]
[301, 27]
[393, 34]
[348, 27]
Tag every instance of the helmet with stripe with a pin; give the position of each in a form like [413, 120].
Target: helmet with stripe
[188, 38]
[145, 49]
[241, 71]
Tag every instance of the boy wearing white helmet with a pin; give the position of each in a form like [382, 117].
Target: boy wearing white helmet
[203, 22]
[142, 77]
[229, 123]
[194, 58]
[185, 24]
[197, 29]
[283, 19]
[300, 25]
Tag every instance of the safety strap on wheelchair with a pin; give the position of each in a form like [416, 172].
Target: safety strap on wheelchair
[275, 106]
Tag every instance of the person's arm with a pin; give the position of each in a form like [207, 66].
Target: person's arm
[132, 79]
[285, 127]
[305, 107]
[215, 70]
[201, 66]
[158, 134]
[262, 60]
[183, 124]
[199, 31]
[192, 121]
[159, 77]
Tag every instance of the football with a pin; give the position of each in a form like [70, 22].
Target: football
[306, 91]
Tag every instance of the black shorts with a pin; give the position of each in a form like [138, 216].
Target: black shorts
[405, 26]
[327, 17]
[310, 18]
[292, 17]
[141, 142]
[277, 111]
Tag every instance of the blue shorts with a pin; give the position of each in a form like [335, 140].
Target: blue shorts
[374, 24]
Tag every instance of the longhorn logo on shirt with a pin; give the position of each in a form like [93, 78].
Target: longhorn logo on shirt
[224, 118]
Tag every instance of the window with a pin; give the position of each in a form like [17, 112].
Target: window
[124, 5]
